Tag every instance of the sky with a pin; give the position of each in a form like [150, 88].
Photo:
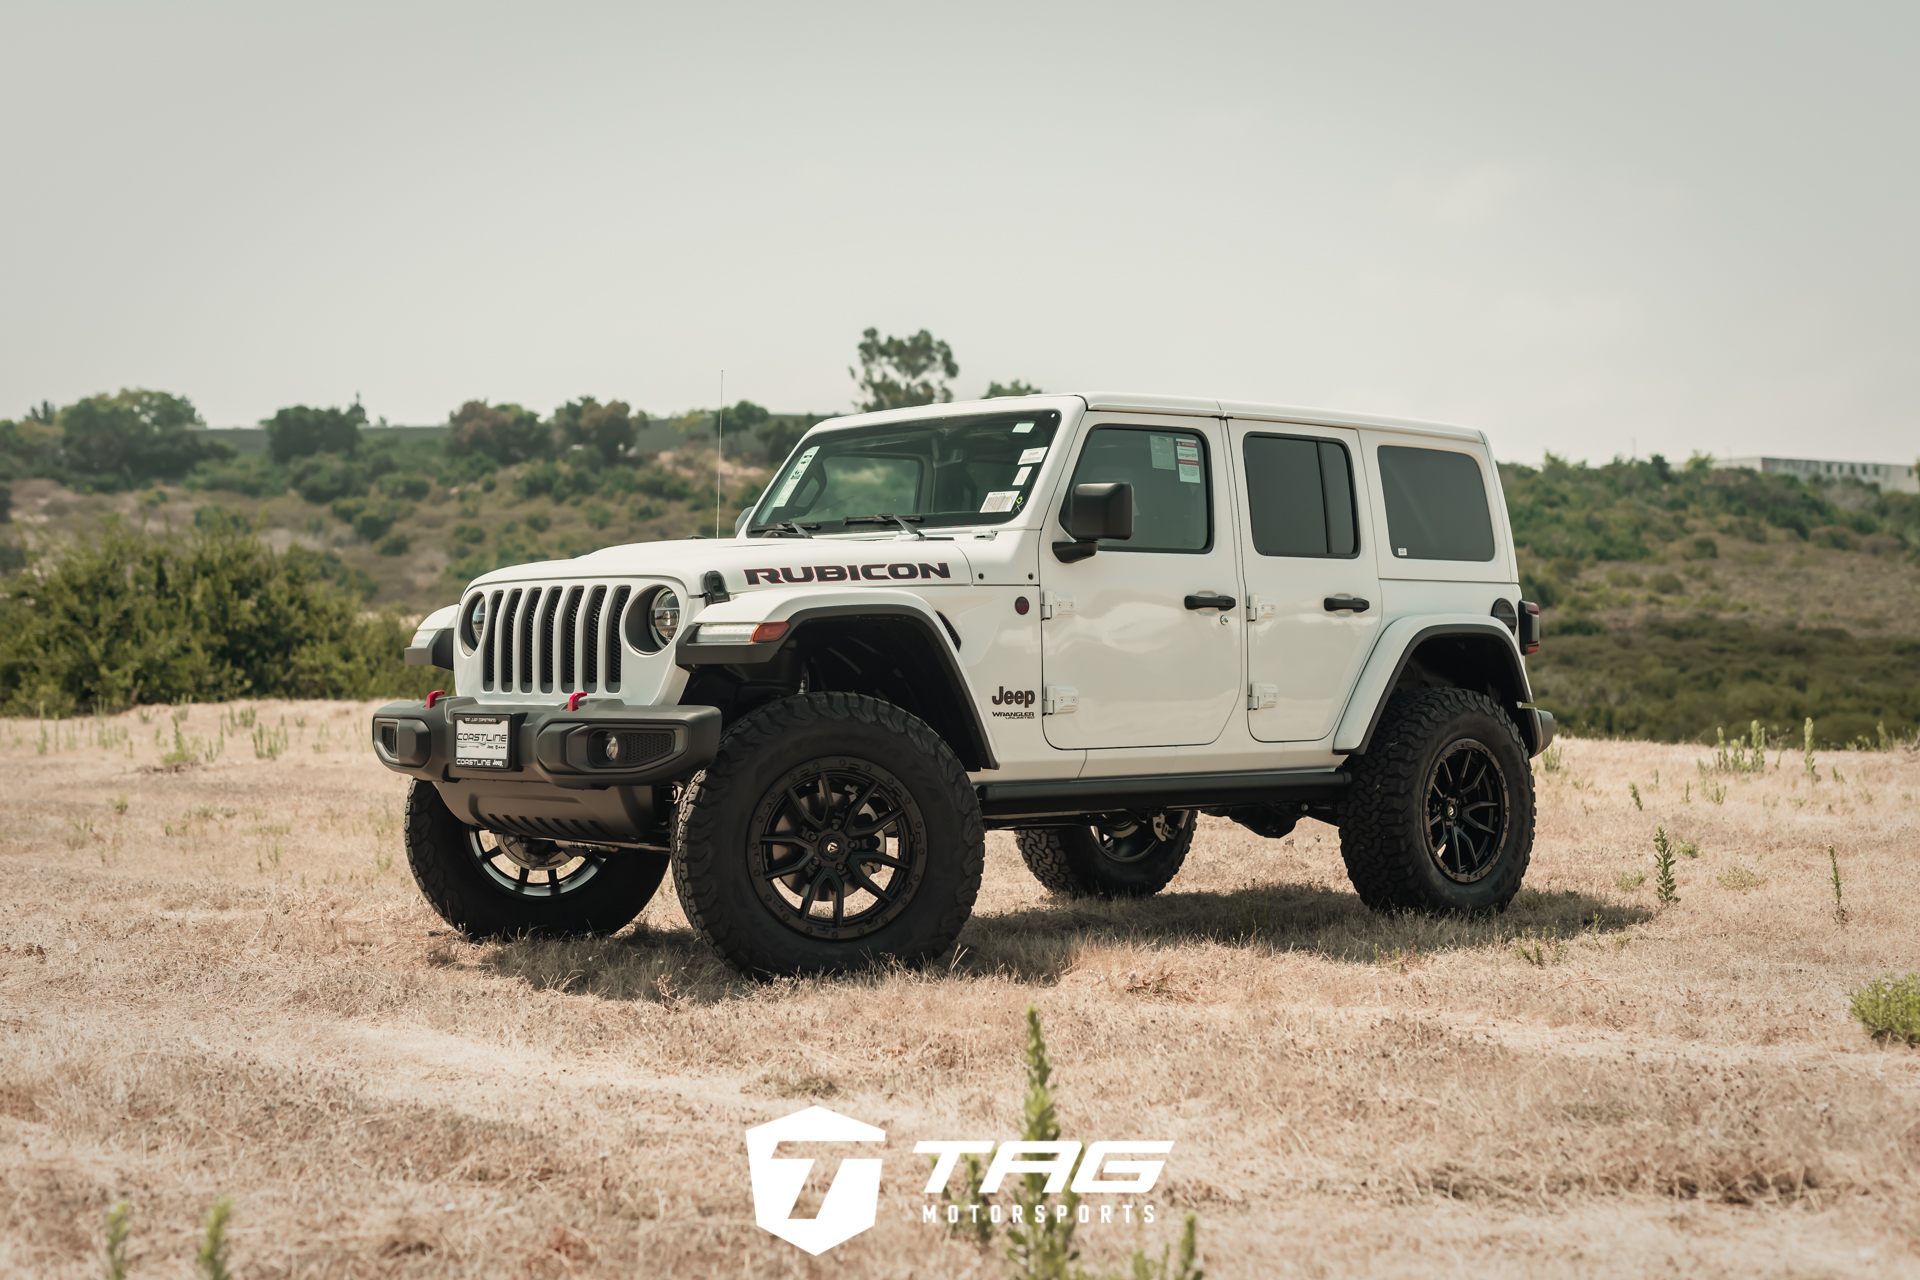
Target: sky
[1588, 229]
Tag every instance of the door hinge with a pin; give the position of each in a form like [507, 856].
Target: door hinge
[1259, 609]
[1061, 700]
[1052, 604]
[1262, 696]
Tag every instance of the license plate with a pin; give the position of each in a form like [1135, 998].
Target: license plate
[483, 742]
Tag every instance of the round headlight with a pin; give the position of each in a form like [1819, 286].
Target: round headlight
[473, 624]
[663, 617]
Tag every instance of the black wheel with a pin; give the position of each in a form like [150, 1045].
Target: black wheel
[830, 830]
[1439, 816]
[491, 885]
[1126, 856]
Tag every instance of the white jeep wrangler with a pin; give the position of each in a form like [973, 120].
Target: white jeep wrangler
[1084, 618]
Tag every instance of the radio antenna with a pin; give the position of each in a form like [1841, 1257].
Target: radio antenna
[719, 445]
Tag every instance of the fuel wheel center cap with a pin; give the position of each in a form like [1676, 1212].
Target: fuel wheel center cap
[833, 848]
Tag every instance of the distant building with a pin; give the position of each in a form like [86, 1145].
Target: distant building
[1888, 475]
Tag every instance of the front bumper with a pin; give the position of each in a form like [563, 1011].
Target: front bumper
[553, 745]
[557, 783]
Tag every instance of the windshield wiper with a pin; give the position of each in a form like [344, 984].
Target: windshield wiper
[784, 527]
[887, 517]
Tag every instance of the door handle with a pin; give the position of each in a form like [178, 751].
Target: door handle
[1210, 602]
[1336, 603]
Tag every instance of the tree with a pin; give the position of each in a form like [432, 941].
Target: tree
[136, 436]
[995, 390]
[603, 429]
[745, 416]
[300, 432]
[898, 373]
[506, 433]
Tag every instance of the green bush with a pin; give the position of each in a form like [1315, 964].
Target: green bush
[394, 545]
[327, 566]
[374, 520]
[217, 517]
[663, 484]
[122, 617]
[465, 534]
[325, 477]
[255, 477]
[410, 485]
[1889, 1008]
[597, 516]
[300, 432]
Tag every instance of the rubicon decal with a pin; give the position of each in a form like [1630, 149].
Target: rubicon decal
[852, 1200]
[901, 572]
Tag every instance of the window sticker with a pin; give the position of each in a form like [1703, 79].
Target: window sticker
[793, 477]
[1000, 500]
[1162, 447]
[1021, 428]
[1187, 450]
[1020, 476]
[1032, 456]
[1189, 473]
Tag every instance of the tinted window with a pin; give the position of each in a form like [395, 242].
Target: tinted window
[947, 471]
[1436, 505]
[1299, 496]
[1168, 472]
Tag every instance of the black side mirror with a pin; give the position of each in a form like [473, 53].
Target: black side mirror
[1096, 512]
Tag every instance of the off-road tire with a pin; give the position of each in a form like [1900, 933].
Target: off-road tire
[1384, 831]
[1071, 860]
[440, 852]
[715, 831]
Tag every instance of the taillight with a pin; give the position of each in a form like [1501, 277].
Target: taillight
[1529, 627]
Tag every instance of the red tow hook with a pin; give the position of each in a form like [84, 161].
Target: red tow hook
[573, 700]
[434, 697]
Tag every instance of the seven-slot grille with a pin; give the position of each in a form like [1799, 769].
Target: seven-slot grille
[553, 637]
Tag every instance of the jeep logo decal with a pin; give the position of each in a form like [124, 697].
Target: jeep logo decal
[1012, 698]
[849, 573]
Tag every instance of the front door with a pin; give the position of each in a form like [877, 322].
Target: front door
[1146, 632]
[1308, 572]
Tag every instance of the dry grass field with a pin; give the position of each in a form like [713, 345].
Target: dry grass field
[219, 980]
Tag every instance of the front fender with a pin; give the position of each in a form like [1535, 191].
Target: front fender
[1398, 642]
[792, 607]
[939, 683]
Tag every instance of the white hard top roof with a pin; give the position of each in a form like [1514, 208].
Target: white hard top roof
[1135, 402]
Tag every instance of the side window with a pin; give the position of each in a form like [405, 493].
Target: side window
[1168, 471]
[1300, 496]
[1436, 504]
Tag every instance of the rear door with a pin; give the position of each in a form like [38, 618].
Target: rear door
[1312, 587]
[1150, 666]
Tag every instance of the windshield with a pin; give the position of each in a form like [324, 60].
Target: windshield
[944, 471]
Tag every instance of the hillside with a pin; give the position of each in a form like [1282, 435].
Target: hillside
[1677, 601]
[412, 541]
[1680, 600]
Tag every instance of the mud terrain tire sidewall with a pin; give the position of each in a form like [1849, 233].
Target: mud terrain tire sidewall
[444, 867]
[1383, 833]
[1068, 860]
[712, 869]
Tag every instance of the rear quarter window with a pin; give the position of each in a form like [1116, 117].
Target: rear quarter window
[1436, 503]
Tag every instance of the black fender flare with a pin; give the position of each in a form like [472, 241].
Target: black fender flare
[965, 731]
